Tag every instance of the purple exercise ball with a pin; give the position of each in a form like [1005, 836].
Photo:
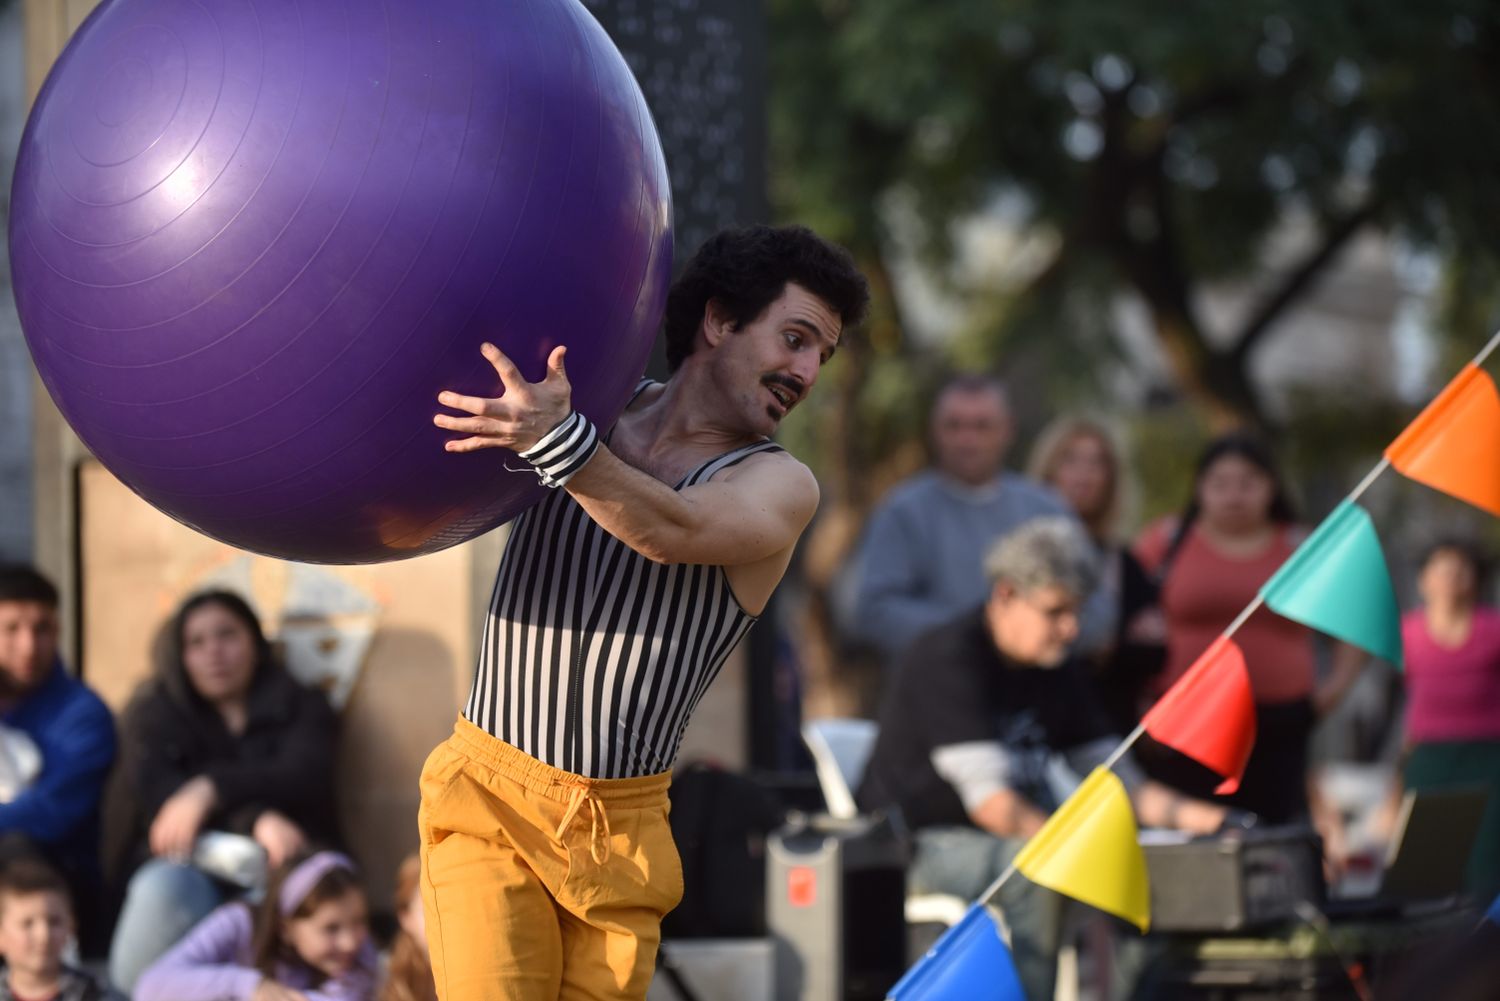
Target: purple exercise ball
[253, 239]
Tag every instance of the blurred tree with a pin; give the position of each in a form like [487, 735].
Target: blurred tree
[1145, 147]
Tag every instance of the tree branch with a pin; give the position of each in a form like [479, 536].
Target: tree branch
[1297, 281]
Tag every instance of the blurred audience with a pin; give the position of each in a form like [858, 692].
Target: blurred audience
[1237, 530]
[920, 562]
[222, 740]
[36, 928]
[1079, 458]
[62, 739]
[1452, 650]
[988, 727]
[308, 940]
[409, 973]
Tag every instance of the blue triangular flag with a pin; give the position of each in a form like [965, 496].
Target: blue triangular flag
[969, 963]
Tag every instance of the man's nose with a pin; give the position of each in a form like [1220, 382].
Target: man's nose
[805, 370]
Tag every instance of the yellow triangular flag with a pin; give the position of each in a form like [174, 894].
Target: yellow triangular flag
[1088, 850]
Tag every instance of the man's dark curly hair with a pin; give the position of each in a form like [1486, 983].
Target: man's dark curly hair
[746, 269]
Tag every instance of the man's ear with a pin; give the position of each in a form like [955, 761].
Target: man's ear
[717, 324]
[1002, 591]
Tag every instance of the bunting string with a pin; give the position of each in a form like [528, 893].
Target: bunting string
[1260, 599]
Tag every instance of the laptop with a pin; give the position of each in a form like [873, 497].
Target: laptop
[1429, 853]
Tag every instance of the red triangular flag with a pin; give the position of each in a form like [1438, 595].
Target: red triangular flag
[1209, 714]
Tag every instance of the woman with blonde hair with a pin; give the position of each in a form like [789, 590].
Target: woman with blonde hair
[1079, 458]
[409, 973]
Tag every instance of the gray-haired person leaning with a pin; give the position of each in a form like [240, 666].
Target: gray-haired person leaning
[989, 726]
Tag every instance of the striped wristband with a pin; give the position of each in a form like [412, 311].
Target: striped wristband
[563, 450]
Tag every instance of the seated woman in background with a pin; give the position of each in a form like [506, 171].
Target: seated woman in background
[308, 940]
[409, 975]
[1452, 649]
[223, 739]
[1079, 459]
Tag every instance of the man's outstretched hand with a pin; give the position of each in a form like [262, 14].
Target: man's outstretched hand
[520, 417]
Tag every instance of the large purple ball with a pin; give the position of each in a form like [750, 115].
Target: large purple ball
[253, 239]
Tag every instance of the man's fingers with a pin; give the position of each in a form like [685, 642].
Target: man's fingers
[472, 425]
[470, 444]
[477, 405]
[555, 369]
[510, 376]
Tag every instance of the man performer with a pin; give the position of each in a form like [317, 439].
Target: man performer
[547, 860]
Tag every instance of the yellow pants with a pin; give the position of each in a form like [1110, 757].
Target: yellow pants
[539, 884]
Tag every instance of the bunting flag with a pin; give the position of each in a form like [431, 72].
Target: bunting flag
[969, 963]
[1454, 445]
[1209, 714]
[1087, 850]
[1337, 582]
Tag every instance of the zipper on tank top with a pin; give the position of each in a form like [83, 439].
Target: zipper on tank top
[570, 718]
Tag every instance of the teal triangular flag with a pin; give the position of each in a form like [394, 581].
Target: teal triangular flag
[969, 963]
[1337, 583]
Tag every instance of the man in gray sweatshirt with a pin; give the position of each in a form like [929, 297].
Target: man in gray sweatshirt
[920, 564]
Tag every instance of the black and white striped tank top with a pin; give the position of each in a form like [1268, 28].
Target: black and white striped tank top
[593, 657]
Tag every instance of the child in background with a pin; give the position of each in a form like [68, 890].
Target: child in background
[308, 941]
[36, 924]
[409, 976]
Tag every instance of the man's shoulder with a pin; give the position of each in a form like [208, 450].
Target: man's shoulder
[766, 461]
[953, 647]
[71, 701]
[1034, 495]
[916, 491]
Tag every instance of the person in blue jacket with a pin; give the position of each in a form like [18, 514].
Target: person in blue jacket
[56, 815]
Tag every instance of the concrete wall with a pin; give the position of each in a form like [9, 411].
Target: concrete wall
[15, 366]
[55, 450]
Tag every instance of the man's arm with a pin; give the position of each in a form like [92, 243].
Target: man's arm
[1158, 806]
[71, 783]
[751, 513]
[1008, 814]
[980, 773]
[1155, 804]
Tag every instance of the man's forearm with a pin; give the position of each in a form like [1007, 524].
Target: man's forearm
[635, 507]
[1008, 814]
[753, 512]
[1158, 806]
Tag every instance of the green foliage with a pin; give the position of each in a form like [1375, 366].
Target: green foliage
[1156, 143]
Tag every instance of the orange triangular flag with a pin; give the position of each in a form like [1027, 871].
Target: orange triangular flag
[1209, 714]
[1454, 445]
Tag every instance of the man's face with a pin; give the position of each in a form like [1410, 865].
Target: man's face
[971, 430]
[1036, 627]
[28, 646]
[770, 364]
[34, 930]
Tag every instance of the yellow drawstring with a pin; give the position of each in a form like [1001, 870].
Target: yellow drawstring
[598, 848]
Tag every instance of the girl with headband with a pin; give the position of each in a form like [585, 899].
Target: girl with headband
[308, 941]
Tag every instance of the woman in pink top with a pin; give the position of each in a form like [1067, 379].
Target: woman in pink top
[1452, 648]
[1238, 529]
